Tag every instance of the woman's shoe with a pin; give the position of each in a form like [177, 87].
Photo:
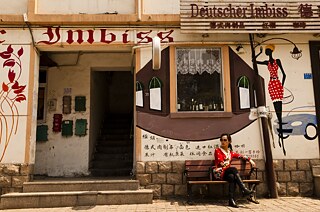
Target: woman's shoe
[232, 203]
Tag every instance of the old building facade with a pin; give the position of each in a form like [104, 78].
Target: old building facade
[82, 94]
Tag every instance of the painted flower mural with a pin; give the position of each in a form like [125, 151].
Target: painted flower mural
[11, 93]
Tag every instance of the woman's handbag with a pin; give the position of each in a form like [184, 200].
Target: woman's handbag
[216, 172]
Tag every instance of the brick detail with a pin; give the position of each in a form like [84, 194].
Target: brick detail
[167, 190]
[140, 167]
[165, 167]
[290, 165]
[304, 165]
[151, 167]
[298, 176]
[278, 165]
[159, 178]
[293, 189]
[144, 179]
[284, 176]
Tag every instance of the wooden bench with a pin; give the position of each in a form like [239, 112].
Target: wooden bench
[200, 172]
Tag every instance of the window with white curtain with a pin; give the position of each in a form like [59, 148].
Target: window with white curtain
[199, 79]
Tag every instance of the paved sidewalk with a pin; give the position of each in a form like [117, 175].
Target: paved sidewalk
[282, 204]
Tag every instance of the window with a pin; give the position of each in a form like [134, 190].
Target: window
[244, 92]
[199, 79]
[41, 110]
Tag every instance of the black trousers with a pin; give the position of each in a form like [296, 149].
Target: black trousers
[229, 174]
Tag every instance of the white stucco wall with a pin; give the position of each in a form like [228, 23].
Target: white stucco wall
[86, 6]
[161, 6]
[58, 156]
[157, 148]
[13, 114]
[13, 7]
[69, 156]
[297, 146]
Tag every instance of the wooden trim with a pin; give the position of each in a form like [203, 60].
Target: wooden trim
[32, 7]
[173, 79]
[30, 104]
[138, 60]
[11, 19]
[138, 144]
[137, 135]
[226, 79]
[103, 19]
[91, 19]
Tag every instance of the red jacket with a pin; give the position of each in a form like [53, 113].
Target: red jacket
[223, 160]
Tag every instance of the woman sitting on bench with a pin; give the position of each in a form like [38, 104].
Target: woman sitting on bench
[223, 157]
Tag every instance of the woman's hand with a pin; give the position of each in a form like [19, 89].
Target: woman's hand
[253, 164]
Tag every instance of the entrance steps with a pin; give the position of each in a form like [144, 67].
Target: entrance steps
[55, 193]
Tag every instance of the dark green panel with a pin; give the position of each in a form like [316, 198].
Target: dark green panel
[67, 126]
[80, 103]
[42, 133]
[81, 127]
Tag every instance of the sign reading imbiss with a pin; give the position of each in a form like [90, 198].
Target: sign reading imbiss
[239, 16]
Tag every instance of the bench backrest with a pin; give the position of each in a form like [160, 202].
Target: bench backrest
[199, 169]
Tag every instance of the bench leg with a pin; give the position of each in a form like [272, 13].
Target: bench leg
[189, 194]
[253, 197]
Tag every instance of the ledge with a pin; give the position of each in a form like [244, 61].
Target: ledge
[177, 115]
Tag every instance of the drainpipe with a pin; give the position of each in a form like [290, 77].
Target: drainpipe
[264, 125]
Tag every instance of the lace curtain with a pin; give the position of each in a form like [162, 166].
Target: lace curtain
[193, 61]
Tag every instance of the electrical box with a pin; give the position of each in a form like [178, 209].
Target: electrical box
[67, 126]
[42, 133]
[57, 120]
[80, 103]
[81, 127]
[66, 104]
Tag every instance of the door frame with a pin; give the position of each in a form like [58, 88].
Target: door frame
[315, 66]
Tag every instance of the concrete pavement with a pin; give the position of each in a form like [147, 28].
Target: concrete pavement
[282, 204]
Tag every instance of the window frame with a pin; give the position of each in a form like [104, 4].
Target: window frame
[226, 89]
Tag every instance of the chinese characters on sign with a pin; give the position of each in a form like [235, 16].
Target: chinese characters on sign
[161, 149]
[217, 16]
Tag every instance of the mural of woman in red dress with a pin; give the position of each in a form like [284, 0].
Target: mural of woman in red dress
[275, 87]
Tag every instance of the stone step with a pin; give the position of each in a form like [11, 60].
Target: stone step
[107, 156]
[111, 172]
[75, 198]
[115, 142]
[112, 163]
[88, 185]
[113, 150]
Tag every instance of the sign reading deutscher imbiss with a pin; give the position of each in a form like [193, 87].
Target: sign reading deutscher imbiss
[243, 16]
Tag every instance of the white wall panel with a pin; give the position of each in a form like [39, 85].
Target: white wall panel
[161, 6]
[13, 7]
[86, 6]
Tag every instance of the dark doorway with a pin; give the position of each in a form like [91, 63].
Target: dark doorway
[315, 64]
[111, 134]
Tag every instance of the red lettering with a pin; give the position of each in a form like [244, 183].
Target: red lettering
[2, 32]
[80, 36]
[103, 37]
[125, 37]
[90, 38]
[51, 35]
[70, 36]
[167, 36]
[140, 36]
